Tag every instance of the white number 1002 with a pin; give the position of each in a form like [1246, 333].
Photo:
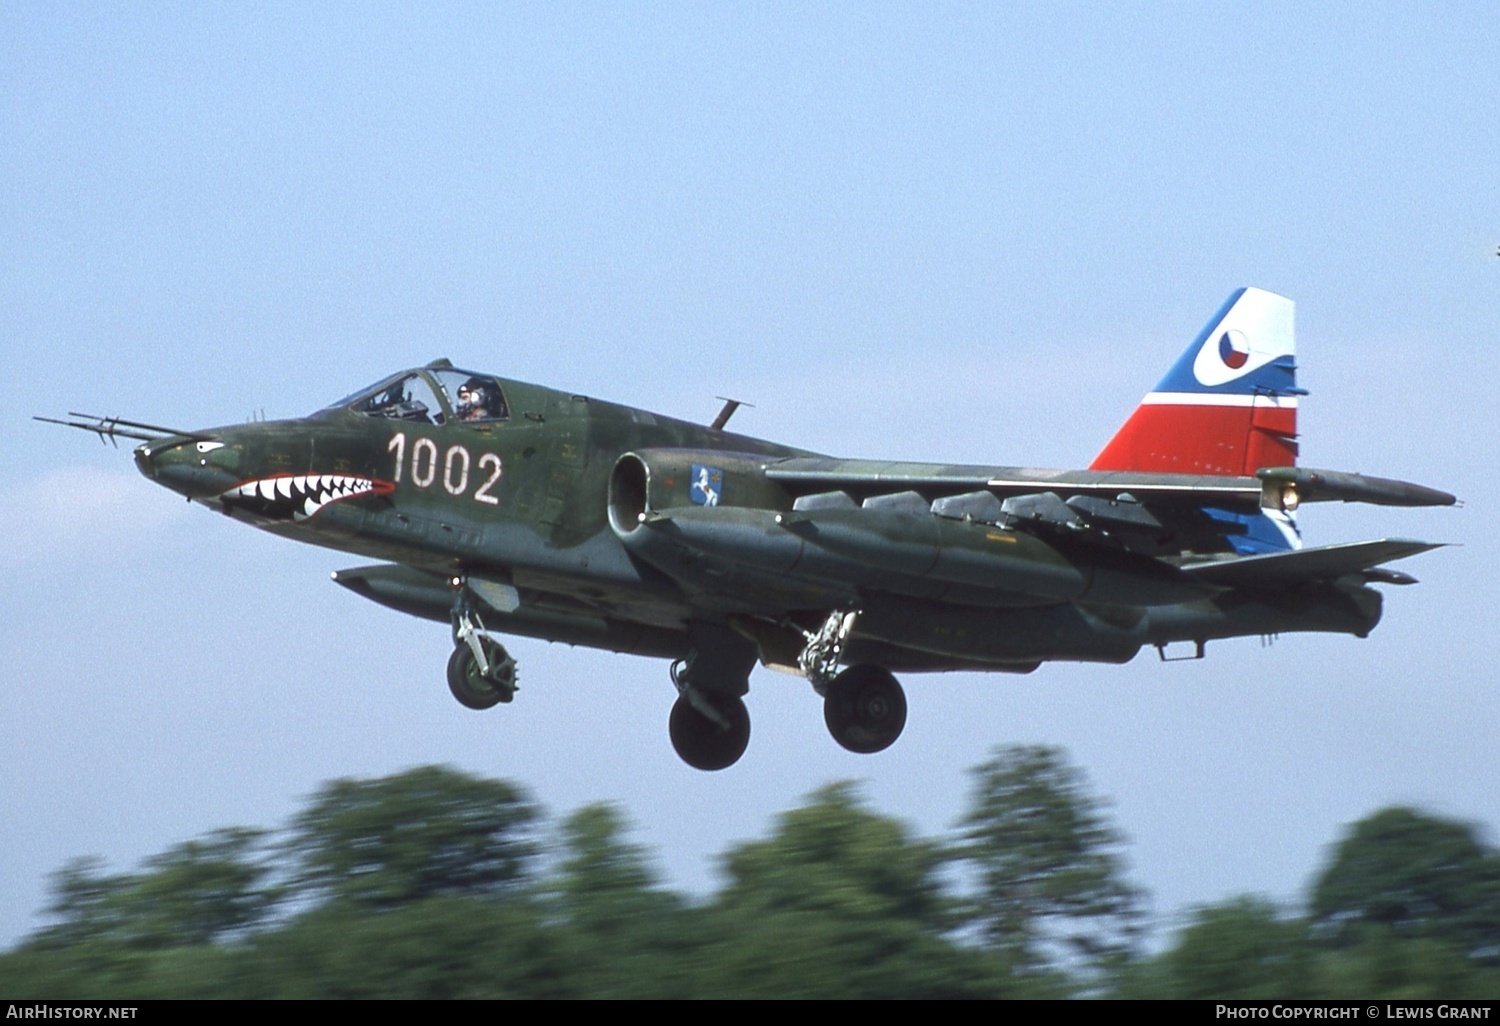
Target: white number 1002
[455, 463]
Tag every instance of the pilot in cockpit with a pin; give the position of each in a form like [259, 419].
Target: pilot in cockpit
[476, 400]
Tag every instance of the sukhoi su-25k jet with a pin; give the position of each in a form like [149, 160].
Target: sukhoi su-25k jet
[500, 507]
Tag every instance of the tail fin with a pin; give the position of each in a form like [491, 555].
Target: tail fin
[1228, 406]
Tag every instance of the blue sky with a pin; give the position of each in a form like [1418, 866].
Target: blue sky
[962, 232]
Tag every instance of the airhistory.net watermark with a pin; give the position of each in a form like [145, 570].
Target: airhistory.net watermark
[40, 1010]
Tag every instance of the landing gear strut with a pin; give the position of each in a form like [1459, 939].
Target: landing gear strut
[481, 673]
[819, 660]
[865, 709]
[864, 706]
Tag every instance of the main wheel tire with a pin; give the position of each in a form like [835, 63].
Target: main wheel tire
[472, 689]
[704, 744]
[865, 709]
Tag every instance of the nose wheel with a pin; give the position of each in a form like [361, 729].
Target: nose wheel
[474, 687]
[481, 674]
[865, 709]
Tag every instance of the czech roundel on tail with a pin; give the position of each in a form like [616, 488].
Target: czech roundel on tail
[501, 507]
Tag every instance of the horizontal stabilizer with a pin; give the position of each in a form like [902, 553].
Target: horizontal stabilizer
[1323, 563]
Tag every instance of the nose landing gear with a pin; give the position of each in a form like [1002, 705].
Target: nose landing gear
[481, 673]
[479, 688]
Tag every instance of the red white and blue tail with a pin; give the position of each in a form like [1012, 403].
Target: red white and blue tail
[1228, 406]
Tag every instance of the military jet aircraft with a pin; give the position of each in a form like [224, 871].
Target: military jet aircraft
[499, 506]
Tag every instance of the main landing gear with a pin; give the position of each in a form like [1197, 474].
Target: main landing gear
[710, 726]
[864, 706]
[481, 674]
[865, 709]
[709, 730]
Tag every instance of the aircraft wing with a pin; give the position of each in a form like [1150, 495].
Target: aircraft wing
[865, 478]
[1326, 562]
[1146, 512]
[805, 475]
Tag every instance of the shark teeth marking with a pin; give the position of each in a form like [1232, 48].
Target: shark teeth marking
[301, 496]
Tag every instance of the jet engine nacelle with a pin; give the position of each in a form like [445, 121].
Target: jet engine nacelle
[648, 480]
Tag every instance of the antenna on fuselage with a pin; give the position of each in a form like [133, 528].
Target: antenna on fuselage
[110, 428]
[730, 405]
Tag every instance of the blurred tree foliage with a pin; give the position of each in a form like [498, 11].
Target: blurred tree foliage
[1405, 908]
[841, 902]
[437, 947]
[1244, 948]
[835, 858]
[167, 929]
[197, 892]
[606, 884]
[1414, 876]
[432, 883]
[625, 936]
[1050, 866]
[424, 833]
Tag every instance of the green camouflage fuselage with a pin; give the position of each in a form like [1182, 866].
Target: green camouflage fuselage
[577, 521]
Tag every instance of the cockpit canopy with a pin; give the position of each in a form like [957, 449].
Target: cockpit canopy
[433, 395]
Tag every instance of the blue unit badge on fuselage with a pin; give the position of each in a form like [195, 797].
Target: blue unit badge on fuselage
[708, 482]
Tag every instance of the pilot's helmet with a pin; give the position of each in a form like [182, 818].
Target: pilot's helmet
[473, 398]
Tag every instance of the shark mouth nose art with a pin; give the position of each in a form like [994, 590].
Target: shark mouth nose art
[300, 496]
